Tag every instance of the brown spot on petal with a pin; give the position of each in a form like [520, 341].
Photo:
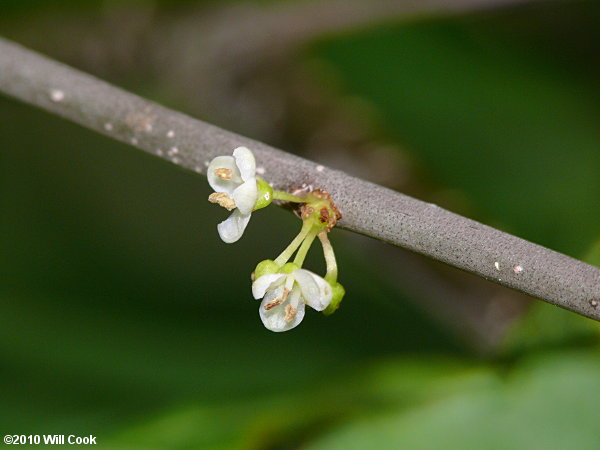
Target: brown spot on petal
[273, 304]
[223, 173]
[222, 199]
[278, 301]
[290, 313]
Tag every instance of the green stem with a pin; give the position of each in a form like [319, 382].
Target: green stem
[332, 270]
[286, 196]
[299, 260]
[290, 249]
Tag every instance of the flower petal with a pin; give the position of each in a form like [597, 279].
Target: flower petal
[315, 290]
[245, 162]
[245, 196]
[274, 318]
[273, 293]
[266, 282]
[325, 294]
[233, 227]
[219, 184]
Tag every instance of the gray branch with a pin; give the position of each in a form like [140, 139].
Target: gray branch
[367, 208]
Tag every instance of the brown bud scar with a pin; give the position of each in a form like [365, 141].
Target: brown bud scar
[332, 218]
[290, 313]
[222, 199]
[223, 173]
[306, 211]
[328, 212]
[324, 217]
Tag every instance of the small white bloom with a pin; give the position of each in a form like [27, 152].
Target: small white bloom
[284, 296]
[234, 180]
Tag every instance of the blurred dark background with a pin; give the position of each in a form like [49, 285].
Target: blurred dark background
[124, 316]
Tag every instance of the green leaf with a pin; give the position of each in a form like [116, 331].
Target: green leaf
[549, 402]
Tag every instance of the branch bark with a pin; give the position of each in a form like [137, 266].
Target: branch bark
[367, 208]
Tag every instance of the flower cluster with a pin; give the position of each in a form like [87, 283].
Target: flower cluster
[284, 287]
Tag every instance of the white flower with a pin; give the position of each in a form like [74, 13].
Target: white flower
[284, 296]
[234, 180]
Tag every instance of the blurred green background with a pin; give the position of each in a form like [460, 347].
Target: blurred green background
[122, 315]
